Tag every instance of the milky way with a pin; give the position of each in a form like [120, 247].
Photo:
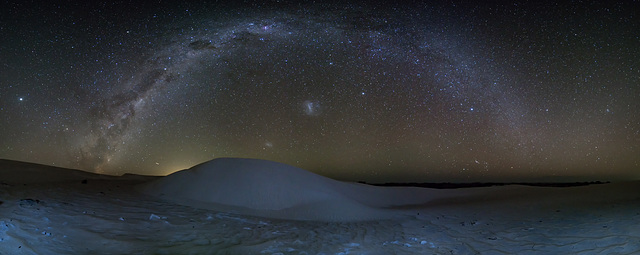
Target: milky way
[385, 93]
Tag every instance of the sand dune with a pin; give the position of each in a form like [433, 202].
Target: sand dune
[270, 189]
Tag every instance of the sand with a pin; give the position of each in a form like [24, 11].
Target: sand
[46, 210]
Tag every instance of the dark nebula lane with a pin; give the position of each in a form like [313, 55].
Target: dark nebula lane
[114, 116]
[380, 93]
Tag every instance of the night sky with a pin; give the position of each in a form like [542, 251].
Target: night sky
[382, 92]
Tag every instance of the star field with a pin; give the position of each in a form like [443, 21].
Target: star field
[385, 92]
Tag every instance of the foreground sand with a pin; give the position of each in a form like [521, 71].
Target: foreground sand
[109, 215]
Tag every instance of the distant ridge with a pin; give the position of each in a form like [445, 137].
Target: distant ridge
[450, 185]
[20, 172]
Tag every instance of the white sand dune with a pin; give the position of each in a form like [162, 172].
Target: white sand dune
[48, 210]
[271, 189]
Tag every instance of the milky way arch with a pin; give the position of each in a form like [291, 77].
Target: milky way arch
[440, 72]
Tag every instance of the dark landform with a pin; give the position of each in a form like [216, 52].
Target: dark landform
[449, 185]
